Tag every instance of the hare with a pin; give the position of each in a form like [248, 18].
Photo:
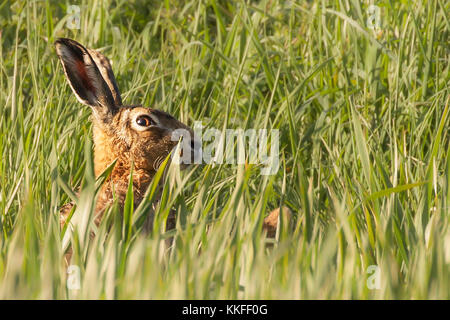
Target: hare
[130, 134]
[134, 135]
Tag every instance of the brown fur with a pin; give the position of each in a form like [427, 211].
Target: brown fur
[130, 148]
[271, 221]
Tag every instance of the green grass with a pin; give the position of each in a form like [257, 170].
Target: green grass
[364, 161]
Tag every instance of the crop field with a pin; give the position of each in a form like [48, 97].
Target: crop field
[353, 95]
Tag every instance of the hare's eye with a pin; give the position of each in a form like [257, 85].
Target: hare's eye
[145, 121]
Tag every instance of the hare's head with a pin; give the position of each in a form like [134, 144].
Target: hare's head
[131, 134]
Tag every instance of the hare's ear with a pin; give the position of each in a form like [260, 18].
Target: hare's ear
[104, 66]
[85, 78]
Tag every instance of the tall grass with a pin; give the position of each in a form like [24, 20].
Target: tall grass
[364, 150]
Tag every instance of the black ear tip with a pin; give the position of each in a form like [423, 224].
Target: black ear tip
[67, 42]
[72, 46]
[62, 41]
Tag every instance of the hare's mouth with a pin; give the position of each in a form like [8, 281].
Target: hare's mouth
[182, 154]
[187, 152]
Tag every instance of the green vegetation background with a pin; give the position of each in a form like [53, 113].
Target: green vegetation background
[364, 149]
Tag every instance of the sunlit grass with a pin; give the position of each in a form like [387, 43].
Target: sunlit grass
[364, 150]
